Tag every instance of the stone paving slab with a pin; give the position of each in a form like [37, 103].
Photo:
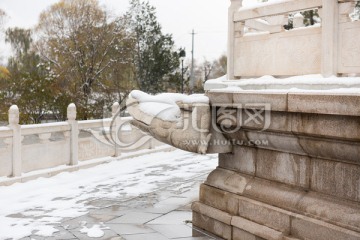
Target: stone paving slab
[130, 229]
[164, 213]
[135, 218]
[172, 218]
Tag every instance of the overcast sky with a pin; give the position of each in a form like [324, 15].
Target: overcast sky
[178, 17]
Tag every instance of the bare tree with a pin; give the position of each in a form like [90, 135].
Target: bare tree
[207, 68]
[2, 17]
[82, 43]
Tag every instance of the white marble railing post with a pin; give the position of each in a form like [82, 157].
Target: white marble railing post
[115, 112]
[235, 5]
[74, 134]
[330, 26]
[16, 140]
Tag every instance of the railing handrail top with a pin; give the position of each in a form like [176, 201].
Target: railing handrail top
[44, 128]
[273, 8]
[5, 128]
[5, 131]
[44, 125]
[59, 126]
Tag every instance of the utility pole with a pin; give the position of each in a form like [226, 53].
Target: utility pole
[192, 79]
[182, 55]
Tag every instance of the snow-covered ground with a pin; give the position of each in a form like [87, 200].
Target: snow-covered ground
[35, 207]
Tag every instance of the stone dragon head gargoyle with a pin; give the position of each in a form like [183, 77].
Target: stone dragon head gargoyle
[179, 120]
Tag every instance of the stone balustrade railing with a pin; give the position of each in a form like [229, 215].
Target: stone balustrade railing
[26, 148]
[260, 45]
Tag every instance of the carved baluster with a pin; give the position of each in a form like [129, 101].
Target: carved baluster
[345, 9]
[276, 23]
[298, 20]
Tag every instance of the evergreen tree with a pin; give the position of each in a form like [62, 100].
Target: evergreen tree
[154, 54]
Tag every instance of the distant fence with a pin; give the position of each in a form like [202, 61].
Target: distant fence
[26, 148]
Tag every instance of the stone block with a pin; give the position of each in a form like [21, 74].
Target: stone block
[335, 149]
[308, 228]
[238, 137]
[218, 143]
[211, 225]
[272, 193]
[228, 180]
[276, 101]
[218, 98]
[277, 141]
[211, 212]
[331, 149]
[341, 213]
[219, 199]
[287, 168]
[324, 125]
[336, 178]
[255, 211]
[290, 238]
[266, 215]
[279, 122]
[256, 229]
[325, 103]
[239, 234]
[242, 160]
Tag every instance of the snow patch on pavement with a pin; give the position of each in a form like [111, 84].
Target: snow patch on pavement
[96, 231]
[35, 207]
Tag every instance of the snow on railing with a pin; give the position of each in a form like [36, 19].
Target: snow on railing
[26, 148]
[261, 41]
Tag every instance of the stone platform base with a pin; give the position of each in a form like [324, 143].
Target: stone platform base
[240, 216]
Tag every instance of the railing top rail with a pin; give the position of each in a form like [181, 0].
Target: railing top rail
[126, 118]
[5, 132]
[97, 123]
[275, 8]
[44, 128]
